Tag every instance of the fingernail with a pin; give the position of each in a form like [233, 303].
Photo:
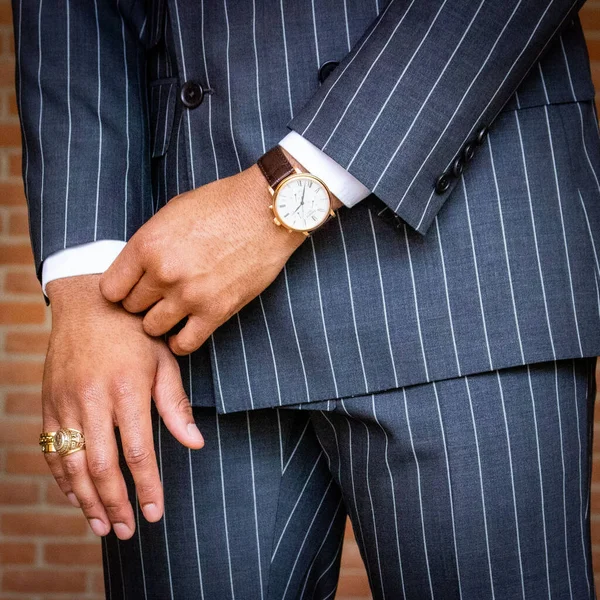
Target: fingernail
[73, 499]
[151, 511]
[194, 432]
[122, 530]
[98, 526]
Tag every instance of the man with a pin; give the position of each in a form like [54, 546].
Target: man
[369, 234]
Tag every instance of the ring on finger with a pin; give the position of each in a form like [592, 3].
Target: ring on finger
[64, 441]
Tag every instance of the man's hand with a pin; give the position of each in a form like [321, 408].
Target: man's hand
[100, 372]
[204, 255]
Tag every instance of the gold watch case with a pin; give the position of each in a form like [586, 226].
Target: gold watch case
[277, 217]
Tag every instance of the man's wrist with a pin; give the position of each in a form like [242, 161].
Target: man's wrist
[335, 201]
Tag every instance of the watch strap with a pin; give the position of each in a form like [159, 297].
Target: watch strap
[275, 166]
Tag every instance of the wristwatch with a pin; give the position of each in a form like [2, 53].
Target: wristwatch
[301, 201]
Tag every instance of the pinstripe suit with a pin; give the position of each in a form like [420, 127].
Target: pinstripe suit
[472, 123]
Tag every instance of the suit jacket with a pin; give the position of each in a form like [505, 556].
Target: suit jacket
[472, 122]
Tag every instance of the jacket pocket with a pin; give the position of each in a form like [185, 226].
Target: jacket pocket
[162, 108]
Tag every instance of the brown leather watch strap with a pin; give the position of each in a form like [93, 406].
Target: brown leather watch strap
[275, 166]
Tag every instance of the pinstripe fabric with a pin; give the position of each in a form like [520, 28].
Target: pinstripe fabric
[469, 488]
[406, 287]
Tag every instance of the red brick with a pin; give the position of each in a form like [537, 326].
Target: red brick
[7, 73]
[15, 163]
[21, 372]
[590, 17]
[27, 462]
[22, 282]
[54, 495]
[13, 313]
[5, 14]
[74, 554]
[11, 194]
[23, 403]
[18, 492]
[16, 553]
[15, 253]
[10, 135]
[44, 581]
[43, 524]
[24, 342]
[12, 104]
[17, 431]
[98, 583]
[18, 223]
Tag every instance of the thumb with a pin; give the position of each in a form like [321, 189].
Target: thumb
[172, 401]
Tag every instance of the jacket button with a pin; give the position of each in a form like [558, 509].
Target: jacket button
[481, 135]
[191, 94]
[457, 167]
[326, 69]
[468, 151]
[442, 183]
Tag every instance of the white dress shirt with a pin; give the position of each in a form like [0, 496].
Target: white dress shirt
[96, 257]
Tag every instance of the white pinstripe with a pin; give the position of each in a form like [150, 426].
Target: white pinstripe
[260, 579]
[393, 490]
[284, 469]
[126, 183]
[424, 103]
[105, 548]
[325, 537]
[439, 238]
[589, 228]
[356, 509]
[562, 458]
[487, 343]
[597, 292]
[20, 98]
[373, 509]
[295, 506]
[347, 26]
[508, 270]
[68, 176]
[335, 558]
[414, 453]
[137, 519]
[210, 131]
[224, 506]
[512, 481]
[315, 30]
[371, 67]
[262, 307]
[287, 66]
[337, 445]
[487, 539]
[164, 517]
[239, 321]
[583, 548]
[99, 126]
[262, 132]
[414, 286]
[40, 129]
[562, 221]
[312, 521]
[237, 156]
[439, 411]
[539, 461]
[391, 2]
[314, 253]
[121, 569]
[537, 249]
[362, 364]
[193, 493]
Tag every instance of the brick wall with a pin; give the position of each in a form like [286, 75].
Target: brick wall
[35, 519]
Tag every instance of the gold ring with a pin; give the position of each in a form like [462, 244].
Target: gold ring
[64, 441]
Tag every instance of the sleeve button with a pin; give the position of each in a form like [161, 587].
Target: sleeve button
[468, 152]
[457, 167]
[442, 183]
[481, 135]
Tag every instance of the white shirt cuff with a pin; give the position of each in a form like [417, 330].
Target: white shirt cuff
[83, 259]
[342, 184]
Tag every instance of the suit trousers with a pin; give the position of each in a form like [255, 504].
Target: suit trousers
[468, 488]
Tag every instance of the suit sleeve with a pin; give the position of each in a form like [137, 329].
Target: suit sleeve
[425, 80]
[80, 94]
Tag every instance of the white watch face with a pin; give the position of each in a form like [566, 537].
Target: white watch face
[302, 203]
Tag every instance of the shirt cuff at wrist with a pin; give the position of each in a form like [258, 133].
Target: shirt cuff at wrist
[342, 184]
[83, 259]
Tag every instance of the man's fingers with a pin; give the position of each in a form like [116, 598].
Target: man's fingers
[75, 468]
[143, 295]
[122, 275]
[135, 426]
[172, 402]
[191, 337]
[103, 464]
[162, 317]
